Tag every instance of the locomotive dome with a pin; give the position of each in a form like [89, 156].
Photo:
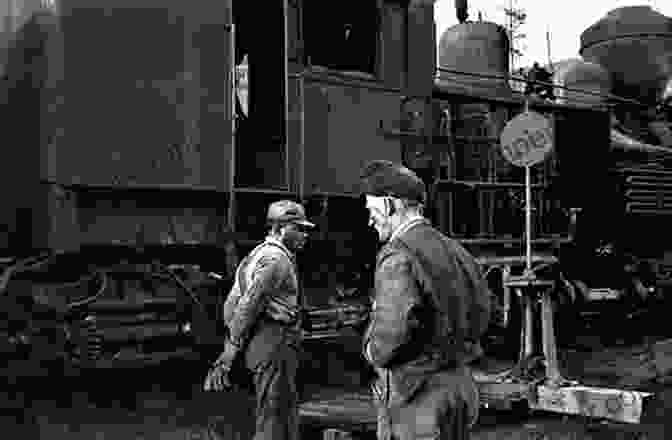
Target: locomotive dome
[634, 44]
[583, 75]
[627, 21]
[478, 48]
[579, 71]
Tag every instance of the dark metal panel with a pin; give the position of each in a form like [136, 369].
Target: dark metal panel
[295, 131]
[294, 43]
[344, 129]
[144, 99]
[150, 217]
[582, 145]
[393, 37]
[24, 106]
[421, 50]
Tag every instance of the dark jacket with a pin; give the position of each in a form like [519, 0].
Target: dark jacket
[431, 306]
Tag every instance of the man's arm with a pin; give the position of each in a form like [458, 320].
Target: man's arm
[396, 294]
[267, 275]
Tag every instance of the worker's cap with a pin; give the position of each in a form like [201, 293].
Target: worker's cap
[286, 211]
[387, 179]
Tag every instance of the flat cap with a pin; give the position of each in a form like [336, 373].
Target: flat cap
[287, 211]
[385, 178]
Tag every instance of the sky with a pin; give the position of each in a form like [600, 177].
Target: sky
[565, 19]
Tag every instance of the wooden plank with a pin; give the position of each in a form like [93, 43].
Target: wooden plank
[338, 408]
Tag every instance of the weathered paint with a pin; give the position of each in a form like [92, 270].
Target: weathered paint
[613, 404]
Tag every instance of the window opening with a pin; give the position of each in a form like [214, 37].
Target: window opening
[342, 35]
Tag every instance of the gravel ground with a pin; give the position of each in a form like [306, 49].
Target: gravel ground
[149, 405]
[163, 415]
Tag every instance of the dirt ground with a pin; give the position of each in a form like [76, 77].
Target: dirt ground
[167, 415]
[168, 404]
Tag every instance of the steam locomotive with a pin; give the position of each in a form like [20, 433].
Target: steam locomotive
[152, 135]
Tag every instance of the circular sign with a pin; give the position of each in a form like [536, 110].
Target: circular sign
[527, 139]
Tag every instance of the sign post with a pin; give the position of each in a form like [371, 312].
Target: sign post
[526, 141]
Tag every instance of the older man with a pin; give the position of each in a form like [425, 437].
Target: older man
[262, 313]
[431, 305]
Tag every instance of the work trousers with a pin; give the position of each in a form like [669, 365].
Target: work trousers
[277, 396]
[444, 408]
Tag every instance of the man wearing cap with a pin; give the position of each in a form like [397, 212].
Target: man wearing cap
[431, 305]
[262, 313]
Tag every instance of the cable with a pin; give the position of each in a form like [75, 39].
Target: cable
[29, 263]
[570, 99]
[181, 284]
[90, 299]
[543, 83]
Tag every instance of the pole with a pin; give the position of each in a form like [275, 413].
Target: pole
[511, 48]
[548, 48]
[528, 219]
[528, 210]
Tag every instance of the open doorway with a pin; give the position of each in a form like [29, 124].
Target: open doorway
[261, 108]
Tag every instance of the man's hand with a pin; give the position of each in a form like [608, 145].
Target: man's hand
[218, 377]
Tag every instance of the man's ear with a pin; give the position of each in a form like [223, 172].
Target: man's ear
[391, 206]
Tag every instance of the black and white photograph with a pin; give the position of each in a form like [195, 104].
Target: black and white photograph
[336, 220]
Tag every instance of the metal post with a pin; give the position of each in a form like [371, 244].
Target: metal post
[506, 272]
[231, 218]
[548, 338]
[285, 72]
[528, 211]
[526, 336]
[302, 142]
[528, 220]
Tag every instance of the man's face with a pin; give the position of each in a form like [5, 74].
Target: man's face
[379, 216]
[294, 236]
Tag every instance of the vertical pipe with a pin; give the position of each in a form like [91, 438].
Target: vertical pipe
[506, 272]
[548, 48]
[405, 75]
[285, 72]
[231, 86]
[302, 134]
[528, 219]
